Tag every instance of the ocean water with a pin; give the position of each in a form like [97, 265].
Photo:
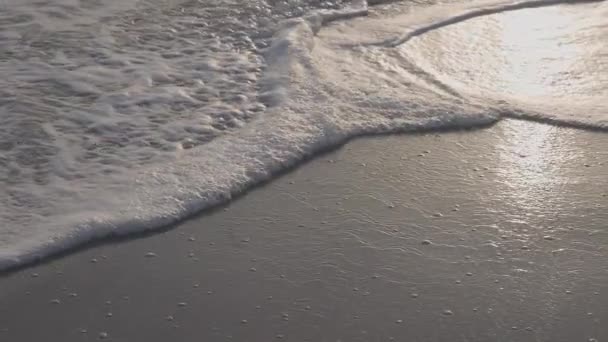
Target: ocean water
[122, 117]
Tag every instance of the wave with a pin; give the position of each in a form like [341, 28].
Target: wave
[432, 20]
[319, 94]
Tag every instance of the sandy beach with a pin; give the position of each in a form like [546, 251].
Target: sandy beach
[496, 234]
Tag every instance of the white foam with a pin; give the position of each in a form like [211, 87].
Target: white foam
[320, 94]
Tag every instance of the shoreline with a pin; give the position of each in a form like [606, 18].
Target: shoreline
[489, 234]
[125, 237]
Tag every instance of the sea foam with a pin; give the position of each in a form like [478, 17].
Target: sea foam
[192, 129]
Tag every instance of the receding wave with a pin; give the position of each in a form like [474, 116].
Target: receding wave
[317, 84]
[450, 15]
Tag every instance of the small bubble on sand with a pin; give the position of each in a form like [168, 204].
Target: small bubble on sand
[83, 331]
[108, 302]
[103, 335]
[426, 242]
[196, 286]
[307, 307]
[458, 281]
[469, 274]
[253, 269]
[191, 238]
[592, 340]
[399, 321]
[55, 301]
[548, 237]
[109, 314]
[414, 295]
[209, 292]
[282, 276]
[258, 307]
[280, 336]
[375, 276]
[150, 255]
[246, 239]
[447, 312]
[170, 318]
[244, 321]
[182, 304]
[73, 295]
[568, 292]
[529, 329]
[438, 214]
[94, 261]
[35, 275]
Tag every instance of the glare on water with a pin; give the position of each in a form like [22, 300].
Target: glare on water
[529, 54]
[540, 51]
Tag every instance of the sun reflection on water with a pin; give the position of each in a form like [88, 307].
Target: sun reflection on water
[537, 51]
[530, 163]
[541, 53]
[551, 60]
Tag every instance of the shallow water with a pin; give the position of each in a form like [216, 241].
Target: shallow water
[125, 118]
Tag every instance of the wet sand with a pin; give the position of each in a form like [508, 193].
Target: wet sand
[498, 234]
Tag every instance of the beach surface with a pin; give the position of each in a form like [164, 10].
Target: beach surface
[496, 234]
